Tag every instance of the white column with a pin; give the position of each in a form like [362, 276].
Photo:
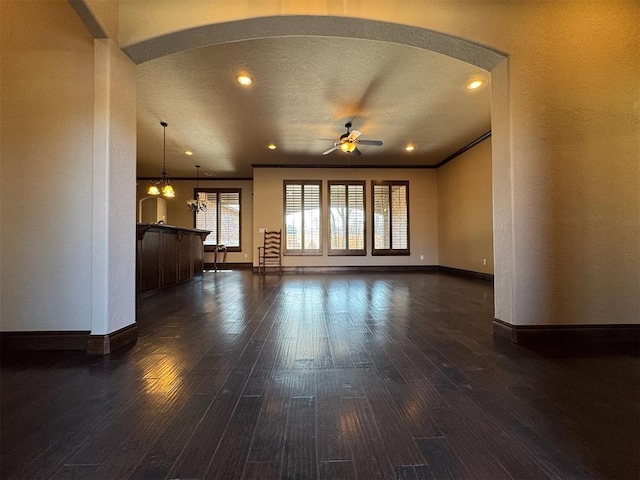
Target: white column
[114, 197]
[503, 249]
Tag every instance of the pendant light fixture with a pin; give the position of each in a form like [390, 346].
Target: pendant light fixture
[164, 183]
[197, 205]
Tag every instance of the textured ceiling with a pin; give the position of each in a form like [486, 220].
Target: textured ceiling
[305, 89]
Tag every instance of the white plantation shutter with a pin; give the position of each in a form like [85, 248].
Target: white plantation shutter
[391, 218]
[303, 216]
[338, 219]
[382, 218]
[208, 220]
[346, 218]
[355, 197]
[399, 218]
[293, 216]
[311, 217]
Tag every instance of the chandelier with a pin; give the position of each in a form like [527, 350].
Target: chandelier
[164, 184]
[197, 205]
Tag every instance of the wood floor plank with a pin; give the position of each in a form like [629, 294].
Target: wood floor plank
[229, 460]
[267, 444]
[300, 459]
[194, 459]
[347, 383]
[332, 444]
[519, 461]
[443, 463]
[169, 444]
[79, 472]
[337, 339]
[417, 403]
[337, 470]
[466, 445]
[395, 433]
[262, 471]
[369, 454]
[414, 472]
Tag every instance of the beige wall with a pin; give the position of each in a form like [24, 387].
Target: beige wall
[465, 220]
[423, 212]
[67, 152]
[46, 142]
[575, 157]
[179, 216]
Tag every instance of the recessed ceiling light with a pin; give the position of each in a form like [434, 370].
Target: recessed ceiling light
[244, 80]
[472, 85]
[271, 146]
[409, 148]
[188, 152]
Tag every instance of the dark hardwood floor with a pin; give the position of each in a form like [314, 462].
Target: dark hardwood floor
[336, 376]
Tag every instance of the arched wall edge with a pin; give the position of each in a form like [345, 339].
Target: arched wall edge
[310, 25]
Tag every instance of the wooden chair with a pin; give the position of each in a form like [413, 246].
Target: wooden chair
[270, 253]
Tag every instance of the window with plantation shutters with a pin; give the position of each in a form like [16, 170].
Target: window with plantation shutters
[302, 217]
[390, 218]
[222, 217]
[346, 218]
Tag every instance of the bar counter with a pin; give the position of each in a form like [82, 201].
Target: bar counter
[167, 255]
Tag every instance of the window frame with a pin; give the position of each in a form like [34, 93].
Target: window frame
[348, 251]
[302, 251]
[389, 251]
[218, 191]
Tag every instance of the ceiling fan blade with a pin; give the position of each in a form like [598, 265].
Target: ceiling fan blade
[376, 143]
[330, 150]
[357, 152]
[355, 134]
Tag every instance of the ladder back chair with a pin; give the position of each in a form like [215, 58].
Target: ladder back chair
[270, 253]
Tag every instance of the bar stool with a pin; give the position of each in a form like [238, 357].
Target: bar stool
[219, 250]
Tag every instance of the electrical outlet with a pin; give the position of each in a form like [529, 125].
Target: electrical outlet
[421, 257]
[484, 261]
[261, 230]
[245, 255]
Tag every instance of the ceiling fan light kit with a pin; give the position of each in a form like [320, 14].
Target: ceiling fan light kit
[348, 147]
[349, 141]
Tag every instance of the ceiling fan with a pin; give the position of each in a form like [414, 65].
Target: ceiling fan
[349, 142]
